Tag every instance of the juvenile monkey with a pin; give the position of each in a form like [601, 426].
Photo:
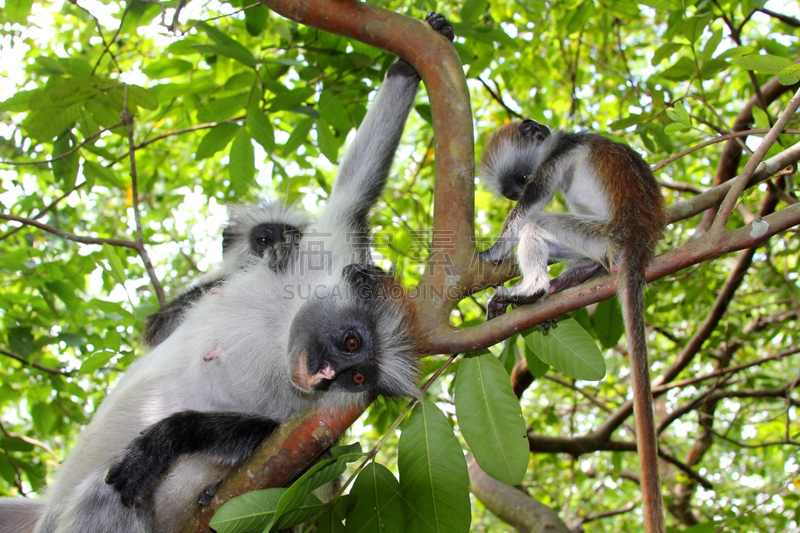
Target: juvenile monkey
[268, 230]
[616, 216]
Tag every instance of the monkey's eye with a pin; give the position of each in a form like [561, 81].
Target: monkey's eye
[359, 377]
[521, 180]
[263, 239]
[351, 342]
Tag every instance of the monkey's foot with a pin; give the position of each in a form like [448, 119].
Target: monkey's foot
[208, 494]
[547, 325]
[498, 304]
[440, 23]
[573, 276]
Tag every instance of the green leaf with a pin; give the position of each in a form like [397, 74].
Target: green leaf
[665, 51]
[536, 366]
[290, 99]
[65, 169]
[490, 418]
[789, 75]
[318, 475]
[297, 137]
[678, 113]
[94, 171]
[252, 511]
[114, 261]
[20, 340]
[761, 118]
[675, 127]
[767, 63]
[682, 70]
[379, 507]
[608, 323]
[43, 417]
[260, 128]
[330, 523]
[255, 19]
[235, 51]
[17, 11]
[68, 92]
[663, 5]
[97, 360]
[508, 357]
[472, 10]
[47, 123]
[242, 165]
[434, 482]
[327, 141]
[167, 68]
[216, 139]
[334, 113]
[693, 27]
[222, 108]
[711, 46]
[21, 101]
[569, 349]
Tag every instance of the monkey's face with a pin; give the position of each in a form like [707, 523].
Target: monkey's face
[337, 354]
[355, 339]
[332, 341]
[511, 157]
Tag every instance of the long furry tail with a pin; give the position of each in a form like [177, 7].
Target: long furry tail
[19, 515]
[632, 282]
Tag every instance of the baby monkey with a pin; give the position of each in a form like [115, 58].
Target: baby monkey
[616, 216]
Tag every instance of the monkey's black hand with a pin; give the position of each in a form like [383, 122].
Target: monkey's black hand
[440, 23]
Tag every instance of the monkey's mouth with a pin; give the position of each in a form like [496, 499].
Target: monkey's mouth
[305, 380]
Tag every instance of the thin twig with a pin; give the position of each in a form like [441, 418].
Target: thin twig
[739, 185]
[65, 154]
[499, 99]
[32, 442]
[715, 140]
[34, 364]
[70, 236]
[148, 265]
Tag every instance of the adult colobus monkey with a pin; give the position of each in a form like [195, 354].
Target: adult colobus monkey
[248, 357]
[269, 230]
[616, 214]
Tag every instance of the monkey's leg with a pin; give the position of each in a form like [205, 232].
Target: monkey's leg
[543, 237]
[229, 436]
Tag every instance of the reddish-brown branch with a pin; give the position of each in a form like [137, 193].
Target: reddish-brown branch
[280, 458]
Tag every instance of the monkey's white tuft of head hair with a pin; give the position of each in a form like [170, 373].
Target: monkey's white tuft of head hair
[242, 218]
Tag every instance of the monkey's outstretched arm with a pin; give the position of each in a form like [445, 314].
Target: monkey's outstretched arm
[365, 167]
[231, 437]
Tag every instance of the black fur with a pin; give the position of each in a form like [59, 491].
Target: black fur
[231, 437]
[163, 322]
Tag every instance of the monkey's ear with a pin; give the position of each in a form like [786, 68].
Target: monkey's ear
[538, 132]
[363, 275]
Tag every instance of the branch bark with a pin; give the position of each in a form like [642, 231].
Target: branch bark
[512, 505]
